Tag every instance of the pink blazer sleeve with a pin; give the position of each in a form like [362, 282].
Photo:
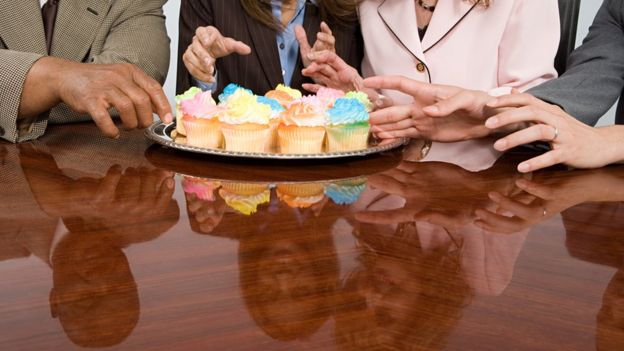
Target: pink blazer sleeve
[529, 41]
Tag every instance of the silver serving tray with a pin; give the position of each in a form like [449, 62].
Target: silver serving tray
[161, 133]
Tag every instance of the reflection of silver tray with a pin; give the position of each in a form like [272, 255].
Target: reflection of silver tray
[162, 134]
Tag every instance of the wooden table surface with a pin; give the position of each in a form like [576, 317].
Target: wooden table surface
[129, 246]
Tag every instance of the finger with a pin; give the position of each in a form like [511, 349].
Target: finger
[517, 208]
[387, 184]
[313, 88]
[165, 193]
[548, 159]
[391, 115]
[160, 103]
[325, 28]
[399, 134]
[196, 68]
[124, 106]
[108, 185]
[327, 39]
[537, 132]
[382, 102]
[541, 191]
[402, 84]
[207, 36]
[234, 46]
[389, 127]
[302, 38]
[103, 120]
[497, 223]
[522, 114]
[202, 57]
[462, 101]
[515, 100]
[141, 102]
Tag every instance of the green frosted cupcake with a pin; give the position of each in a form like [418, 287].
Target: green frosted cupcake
[347, 126]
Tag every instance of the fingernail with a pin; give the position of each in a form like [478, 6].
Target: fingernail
[491, 122]
[431, 109]
[379, 102]
[169, 184]
[523, 167]
[501, 144]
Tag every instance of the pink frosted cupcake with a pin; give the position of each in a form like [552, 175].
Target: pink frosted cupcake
[202, 188]
[201, 121]
[328, 96]
[302, 130]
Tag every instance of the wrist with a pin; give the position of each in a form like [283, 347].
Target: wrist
[614, 143]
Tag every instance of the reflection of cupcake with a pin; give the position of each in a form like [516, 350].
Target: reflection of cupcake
[284, 95]
[301, 195]
[274, 121]
[347, 126]
[329, 96]
[245, 123]
[202, 188]
[244, 197]
[302, 130]
[345, 192]
[229, 90]
[361, 97]
[201, 121]
[187, 95]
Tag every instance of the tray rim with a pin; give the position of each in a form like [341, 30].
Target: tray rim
[157, 132]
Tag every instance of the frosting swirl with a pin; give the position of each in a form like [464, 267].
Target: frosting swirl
[347, 111]
[329, 95]
[344, 194]
[303, 115]
[361, 97]
[243, 107]
[201, 106]
[245, 204]
[294, 93]
[276, 107]
[229, 90]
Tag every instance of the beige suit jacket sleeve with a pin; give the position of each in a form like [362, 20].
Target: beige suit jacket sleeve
[129, 31]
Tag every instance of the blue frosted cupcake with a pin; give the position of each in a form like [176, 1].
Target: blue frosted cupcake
[347, 126]
[345, 192]
[274, 122]
[229, 90]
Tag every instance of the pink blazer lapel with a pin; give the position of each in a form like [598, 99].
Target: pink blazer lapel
[446, 17]
[399, 16]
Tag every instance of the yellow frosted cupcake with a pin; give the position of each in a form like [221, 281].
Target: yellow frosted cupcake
[187, 95]
[347, 126]
[245, 123]
[201, 121]
[244, 197]
[301, 195]
[302, 130]
[284, 95]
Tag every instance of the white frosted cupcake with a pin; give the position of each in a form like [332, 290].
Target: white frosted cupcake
[245, 123]
[302, 130]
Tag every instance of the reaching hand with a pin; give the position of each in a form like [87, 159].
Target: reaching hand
[208, 45]
[325, 41]
[437, 112]
[572, 142]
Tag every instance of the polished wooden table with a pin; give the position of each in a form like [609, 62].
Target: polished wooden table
[125, 245]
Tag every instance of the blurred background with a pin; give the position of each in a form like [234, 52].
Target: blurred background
[587, 13]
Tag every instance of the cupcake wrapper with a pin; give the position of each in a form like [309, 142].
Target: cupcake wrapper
[273, 142]
[244, 188]
[302, 190]
[203, 132]
[301, 140]
[347, 137]
[246, 137]
[179, 124]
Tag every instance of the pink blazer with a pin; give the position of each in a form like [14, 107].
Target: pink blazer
[511, 44]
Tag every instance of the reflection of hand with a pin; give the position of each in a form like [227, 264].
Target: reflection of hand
[438, 112]
[207, 46]
[208, 214]
[134, 196]
[430, 190]
[325, 41]
[545, 198]
[573, 142]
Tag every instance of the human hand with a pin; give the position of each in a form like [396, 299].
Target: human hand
[438, 112]
[573, 143]
[94, 89]
[325, 41]
[207, 214]
[208, 45]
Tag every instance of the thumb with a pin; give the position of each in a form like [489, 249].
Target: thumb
[302, 38]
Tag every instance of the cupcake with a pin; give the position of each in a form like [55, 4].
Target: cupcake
[302, 130]
[201, 121]
[187, 95]
[274, 121]
[202, 188]
[328, 96]
[245, 197]
[229, 90]
[361, 97]
[300, 195]
[347, 126]
[245, 123]
[284, 95]
[345, 192]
